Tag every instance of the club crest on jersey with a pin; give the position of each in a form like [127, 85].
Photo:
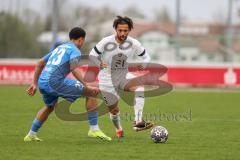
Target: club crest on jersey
[120, 54]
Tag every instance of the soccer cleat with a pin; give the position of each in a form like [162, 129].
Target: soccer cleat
[29, 138]
[98, 134]
[120, 133]
[142, 125]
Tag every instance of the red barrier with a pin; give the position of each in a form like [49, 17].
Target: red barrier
[204, 76]
[209, 76]
[16, 74]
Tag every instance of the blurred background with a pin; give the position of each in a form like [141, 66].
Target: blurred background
[177, 33]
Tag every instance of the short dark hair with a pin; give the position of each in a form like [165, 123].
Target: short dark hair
[123, 20]
[76, 33]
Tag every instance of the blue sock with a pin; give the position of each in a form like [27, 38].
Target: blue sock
[36, 124]
[93, 120]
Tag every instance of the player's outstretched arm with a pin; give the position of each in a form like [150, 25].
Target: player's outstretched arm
[38, 70]
[95, 59]
[142, 53]
[146, 59]
[89, 91]
[78, 75]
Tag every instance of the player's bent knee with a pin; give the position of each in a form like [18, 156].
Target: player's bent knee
[90, 92]
[91, 99]
[113, 110]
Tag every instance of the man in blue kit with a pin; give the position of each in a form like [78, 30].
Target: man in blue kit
[50, 77]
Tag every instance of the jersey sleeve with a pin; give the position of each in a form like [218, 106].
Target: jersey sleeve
[99, 48]
[139, 49]
[96, 52]
[74, 60]
[46, 57]
[142, 53]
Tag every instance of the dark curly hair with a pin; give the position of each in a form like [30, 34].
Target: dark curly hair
[123, 20]
[76, 33]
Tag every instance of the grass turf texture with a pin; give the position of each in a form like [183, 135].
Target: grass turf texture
[212, 134]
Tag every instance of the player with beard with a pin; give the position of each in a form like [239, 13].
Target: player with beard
[111, 55]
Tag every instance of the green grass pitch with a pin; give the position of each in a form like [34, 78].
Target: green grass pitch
[211, 133]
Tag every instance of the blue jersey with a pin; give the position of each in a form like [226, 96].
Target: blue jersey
[52, 82]
[59, 63]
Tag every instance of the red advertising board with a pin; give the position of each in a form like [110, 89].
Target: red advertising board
[177, 75]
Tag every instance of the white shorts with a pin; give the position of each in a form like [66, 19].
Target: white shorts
[110, 86]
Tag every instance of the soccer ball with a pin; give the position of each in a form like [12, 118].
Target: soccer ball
[159, 134]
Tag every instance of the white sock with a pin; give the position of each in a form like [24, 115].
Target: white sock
[94, 128]
[139, 104]
[32, 133]
[116, 121]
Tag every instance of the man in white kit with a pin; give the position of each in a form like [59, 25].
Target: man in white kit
[111, 55]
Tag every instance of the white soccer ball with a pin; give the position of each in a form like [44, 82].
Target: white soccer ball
[159, 134]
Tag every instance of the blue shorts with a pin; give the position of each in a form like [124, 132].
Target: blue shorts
[68, 89]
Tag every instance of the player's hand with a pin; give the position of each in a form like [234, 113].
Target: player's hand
[91, 91]
[103, 65]
[95, 92]
[32, 90]
[140, 67]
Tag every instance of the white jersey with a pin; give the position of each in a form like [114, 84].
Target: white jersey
[115, 76]
[116, 55]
